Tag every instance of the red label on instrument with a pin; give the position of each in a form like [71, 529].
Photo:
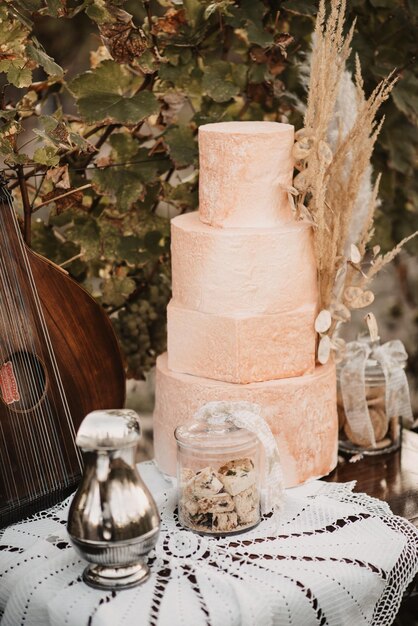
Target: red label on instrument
[8, 384]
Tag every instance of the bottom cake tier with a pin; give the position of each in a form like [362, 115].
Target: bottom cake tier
[301, 412]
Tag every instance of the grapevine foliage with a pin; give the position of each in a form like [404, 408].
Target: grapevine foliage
[110, 151]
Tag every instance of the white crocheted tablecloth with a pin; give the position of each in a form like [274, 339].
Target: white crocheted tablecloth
[331, 557]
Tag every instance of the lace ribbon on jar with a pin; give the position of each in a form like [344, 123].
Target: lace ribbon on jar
[391, 357]
[248, 415]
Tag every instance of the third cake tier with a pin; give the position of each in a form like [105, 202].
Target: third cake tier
[241, 348]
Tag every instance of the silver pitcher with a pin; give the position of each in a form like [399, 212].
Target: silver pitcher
[113, 521]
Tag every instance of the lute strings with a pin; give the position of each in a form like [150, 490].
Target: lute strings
[42, 439]
[25, 345]
[52, 469]
[35, 417]
[12, 328]
[46, 336]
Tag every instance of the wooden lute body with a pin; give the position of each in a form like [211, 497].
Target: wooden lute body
[59, 360]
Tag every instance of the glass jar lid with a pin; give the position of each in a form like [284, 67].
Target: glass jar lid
[210, 435]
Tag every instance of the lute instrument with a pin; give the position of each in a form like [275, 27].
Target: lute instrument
[59, 360]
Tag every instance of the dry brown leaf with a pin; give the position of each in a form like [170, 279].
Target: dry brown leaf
[63, 204]
[170, 22]
[59, 176]
[123, 39]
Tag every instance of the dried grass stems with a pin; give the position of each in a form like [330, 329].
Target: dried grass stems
[329, 181]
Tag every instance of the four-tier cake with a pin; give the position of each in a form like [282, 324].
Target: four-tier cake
[241, 320]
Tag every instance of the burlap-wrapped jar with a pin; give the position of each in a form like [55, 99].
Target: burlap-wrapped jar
[373, 397]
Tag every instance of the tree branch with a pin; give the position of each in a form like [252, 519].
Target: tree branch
[64, 195]
[27, 211]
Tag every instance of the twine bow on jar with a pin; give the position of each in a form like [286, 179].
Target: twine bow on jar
[248, 415]
[391, 357]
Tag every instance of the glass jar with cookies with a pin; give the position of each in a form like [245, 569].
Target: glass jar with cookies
[218, 477]
[372, 397]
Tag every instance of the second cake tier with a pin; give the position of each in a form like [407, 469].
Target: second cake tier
[239, 270]
[239, 348]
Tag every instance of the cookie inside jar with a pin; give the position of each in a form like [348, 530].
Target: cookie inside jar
[218, 478]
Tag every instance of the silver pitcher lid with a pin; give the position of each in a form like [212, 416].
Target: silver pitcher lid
[109, 429]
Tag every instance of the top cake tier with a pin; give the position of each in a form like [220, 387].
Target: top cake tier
[245, 168]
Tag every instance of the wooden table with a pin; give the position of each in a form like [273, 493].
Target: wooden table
[389, 477]
[393, 478]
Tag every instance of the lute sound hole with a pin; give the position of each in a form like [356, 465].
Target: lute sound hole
[23, 381]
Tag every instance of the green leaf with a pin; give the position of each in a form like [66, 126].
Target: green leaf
[127, 183]
[182, 145]
[42, 58]
[13, 33]
[98, 12]
[217, 82]
[117, 108]
[183, 196]
[53, 131]
[129, 249]
[125, 146]
[257, 72]
[147, 62]
[46, 243]
[85, 232]
[122, 183]
[256, 34]
[55, 7]
[194, 11]
[17, 73]
[115, 290]
[8, 114]
[154, 242]
[31, 5]
[105, 93]
[47, 155]
[80, 143]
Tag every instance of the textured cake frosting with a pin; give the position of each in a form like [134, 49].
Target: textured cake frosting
[245, 169]
[301, 412]
[232, 270]
[241, 322]
[241, 348]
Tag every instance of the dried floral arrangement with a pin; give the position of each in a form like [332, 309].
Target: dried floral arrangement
[333, 188]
